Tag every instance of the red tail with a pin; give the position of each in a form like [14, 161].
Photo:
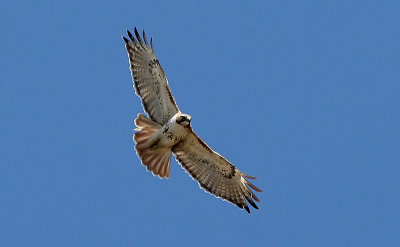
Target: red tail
[155, 159]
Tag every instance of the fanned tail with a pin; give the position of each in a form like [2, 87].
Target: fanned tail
[156, 160]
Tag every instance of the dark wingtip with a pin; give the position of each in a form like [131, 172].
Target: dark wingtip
[125, 39]
[253, 204]
[138, 36]
[247, 209]
[137, 39]
[145, 38]
[131, 36]
[248, 198]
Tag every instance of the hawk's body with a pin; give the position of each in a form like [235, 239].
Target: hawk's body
[168, 131]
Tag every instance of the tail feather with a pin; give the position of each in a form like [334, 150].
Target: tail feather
[156, 160]
[143, 122]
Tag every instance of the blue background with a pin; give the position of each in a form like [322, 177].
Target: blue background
[303, 95]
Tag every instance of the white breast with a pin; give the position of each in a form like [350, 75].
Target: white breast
[170, 134]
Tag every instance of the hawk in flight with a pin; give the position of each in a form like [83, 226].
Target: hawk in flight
[168, 131]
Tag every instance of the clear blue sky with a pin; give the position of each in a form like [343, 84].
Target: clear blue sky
[304, 95]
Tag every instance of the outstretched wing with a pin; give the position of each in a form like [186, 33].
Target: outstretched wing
[150, 82]
[214, 173]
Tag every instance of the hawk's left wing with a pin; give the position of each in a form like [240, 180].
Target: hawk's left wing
[150, 82]
[214, 173]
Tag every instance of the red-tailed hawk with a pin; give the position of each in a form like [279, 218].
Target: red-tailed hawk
[168, 131]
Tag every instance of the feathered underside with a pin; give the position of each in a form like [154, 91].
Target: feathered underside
[150, 82]
[213, 172]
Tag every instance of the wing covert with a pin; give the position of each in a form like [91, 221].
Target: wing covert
[149, 79]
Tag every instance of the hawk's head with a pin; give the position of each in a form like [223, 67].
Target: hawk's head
[183, 119]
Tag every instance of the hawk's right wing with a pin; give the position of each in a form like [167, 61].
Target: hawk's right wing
[150, 82]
